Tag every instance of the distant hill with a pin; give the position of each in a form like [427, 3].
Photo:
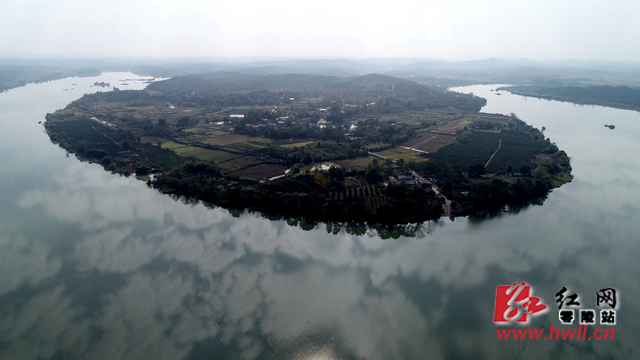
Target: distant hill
[201, 89]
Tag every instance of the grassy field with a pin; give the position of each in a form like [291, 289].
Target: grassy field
[227, 140]
[186, 150]
[407, 155]
[360, 162]
[192, 130]
[217, 132]
[300, 144]
[170, 145]
[260, 140]
[244, 146]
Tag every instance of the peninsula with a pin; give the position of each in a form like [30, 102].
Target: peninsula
[371, 148]
[620, 97]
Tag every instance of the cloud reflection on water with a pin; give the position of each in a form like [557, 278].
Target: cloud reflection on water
[153, 278]
[99, 266]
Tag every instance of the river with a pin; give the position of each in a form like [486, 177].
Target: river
[94, 265]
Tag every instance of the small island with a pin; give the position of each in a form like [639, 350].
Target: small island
[369, 149]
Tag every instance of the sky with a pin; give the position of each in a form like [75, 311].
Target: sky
[451, 29]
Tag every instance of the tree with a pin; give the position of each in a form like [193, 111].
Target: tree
[476, 170]
[184, 122]
[430, 168]
[320, 179]
[336, 174]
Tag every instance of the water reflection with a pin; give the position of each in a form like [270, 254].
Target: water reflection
[94, 265]
[140, 275]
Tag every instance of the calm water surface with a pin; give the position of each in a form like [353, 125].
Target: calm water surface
[98, 266]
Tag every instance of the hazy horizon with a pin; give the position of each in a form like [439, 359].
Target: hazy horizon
[453, 31]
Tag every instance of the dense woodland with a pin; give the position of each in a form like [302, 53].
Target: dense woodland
[621, 97]
[475, 171]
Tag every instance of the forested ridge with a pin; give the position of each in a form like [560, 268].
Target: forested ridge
[622, 97]
[230, 89]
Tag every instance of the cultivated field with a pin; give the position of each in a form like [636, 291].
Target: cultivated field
[450, 127]
[227, 140]
[429, 142]
[261, 171]
[213, 155]
[260, 140]
[244, 146]
[239, 163]
[399, 153]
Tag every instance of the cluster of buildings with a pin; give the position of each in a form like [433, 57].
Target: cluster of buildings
[399, 177]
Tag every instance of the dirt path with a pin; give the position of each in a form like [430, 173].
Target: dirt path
[107, 136]
[447, 203]
[494, 154]
[414, 147]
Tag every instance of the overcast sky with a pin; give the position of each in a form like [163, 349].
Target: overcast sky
[452, 29]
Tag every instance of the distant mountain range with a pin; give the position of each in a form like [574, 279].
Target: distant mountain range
[442, 73]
